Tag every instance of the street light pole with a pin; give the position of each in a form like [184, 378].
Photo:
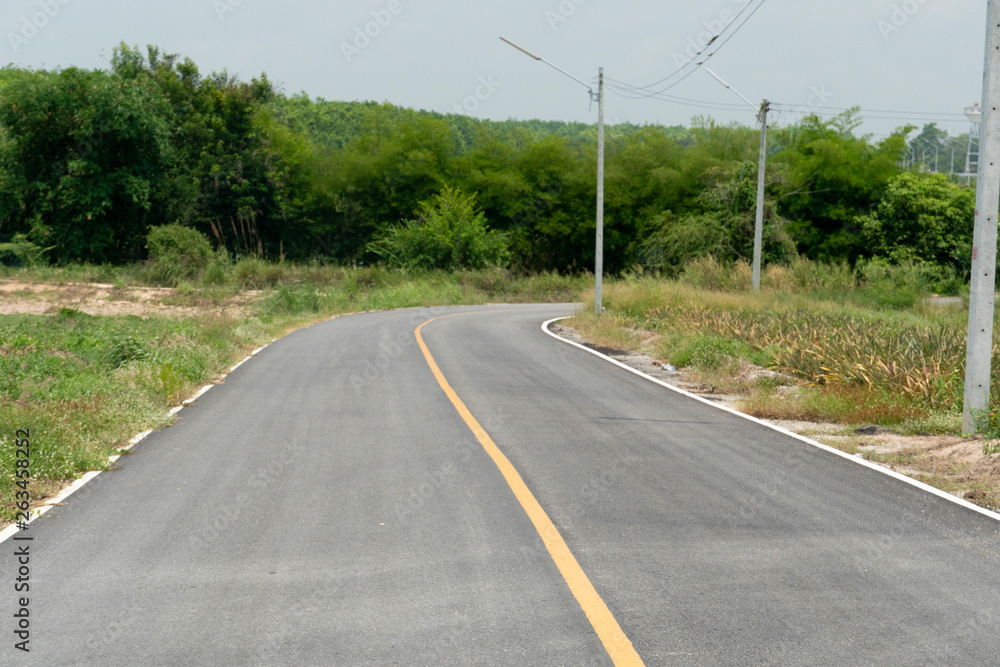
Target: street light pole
[599, 97]
[758, 231]
[979, 349]
[599, 250]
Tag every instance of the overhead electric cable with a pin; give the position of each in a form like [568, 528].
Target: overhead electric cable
[719, 106]
[871, 111]
[645, 91]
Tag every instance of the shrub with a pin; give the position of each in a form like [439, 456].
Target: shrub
[707, 273]
[710, 352]
[19, 251]
[176, 253]
[898, 285]
[448, 233]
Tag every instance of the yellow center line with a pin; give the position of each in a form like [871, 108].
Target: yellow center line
[610, 633]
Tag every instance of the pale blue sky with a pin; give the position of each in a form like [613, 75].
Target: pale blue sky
[912, 55]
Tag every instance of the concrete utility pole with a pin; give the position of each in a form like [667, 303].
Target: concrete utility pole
[978, 357]
[599, 96]
[758, 232]
[599, 251]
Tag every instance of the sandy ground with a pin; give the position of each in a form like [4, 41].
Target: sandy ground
[106, 299]
[951, 463]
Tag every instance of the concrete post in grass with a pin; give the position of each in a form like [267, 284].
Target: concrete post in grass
[979, 350]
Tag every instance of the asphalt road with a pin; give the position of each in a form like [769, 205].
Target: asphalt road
[327, 505]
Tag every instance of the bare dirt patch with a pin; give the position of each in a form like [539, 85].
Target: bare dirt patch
[952, 463]
[105, 299]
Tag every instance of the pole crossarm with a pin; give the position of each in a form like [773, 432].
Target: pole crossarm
[726, 85]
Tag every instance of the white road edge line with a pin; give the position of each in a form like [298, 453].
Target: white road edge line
[49, 503]
[854, 459]
[12, 530]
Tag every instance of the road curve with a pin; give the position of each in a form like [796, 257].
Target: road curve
[327, 505]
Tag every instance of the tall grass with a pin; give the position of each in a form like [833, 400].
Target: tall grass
[864, 344]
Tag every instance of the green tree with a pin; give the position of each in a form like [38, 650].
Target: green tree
[448, 233]
[922, 217]
[227, 180]
[723, 228]
[832, 177]
[83, 158]
[927, 148]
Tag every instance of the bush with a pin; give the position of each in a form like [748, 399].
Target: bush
[711, 352]
[176, 253]
[19, 251]
[707, 273]
[448, 233]
[898, 285]
[254, 273]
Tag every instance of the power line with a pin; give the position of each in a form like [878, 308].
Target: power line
[907, 116]
[683, 101]
[645, 91]
[710, 42]
[933, 114]
[823, 112]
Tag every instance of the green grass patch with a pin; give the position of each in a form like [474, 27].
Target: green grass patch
[84, 385]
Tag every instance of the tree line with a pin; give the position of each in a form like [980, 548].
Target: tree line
[92, 160]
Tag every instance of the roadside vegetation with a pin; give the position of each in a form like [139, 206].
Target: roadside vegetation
[863, 347]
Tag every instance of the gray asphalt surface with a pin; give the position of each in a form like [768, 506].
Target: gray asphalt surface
[327, 506]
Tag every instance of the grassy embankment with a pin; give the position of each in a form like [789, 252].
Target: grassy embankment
[864, 349]
[84, 385]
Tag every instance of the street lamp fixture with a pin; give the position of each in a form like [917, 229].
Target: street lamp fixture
[599, 97]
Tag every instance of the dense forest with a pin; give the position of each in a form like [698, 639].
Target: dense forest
[92, 160]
